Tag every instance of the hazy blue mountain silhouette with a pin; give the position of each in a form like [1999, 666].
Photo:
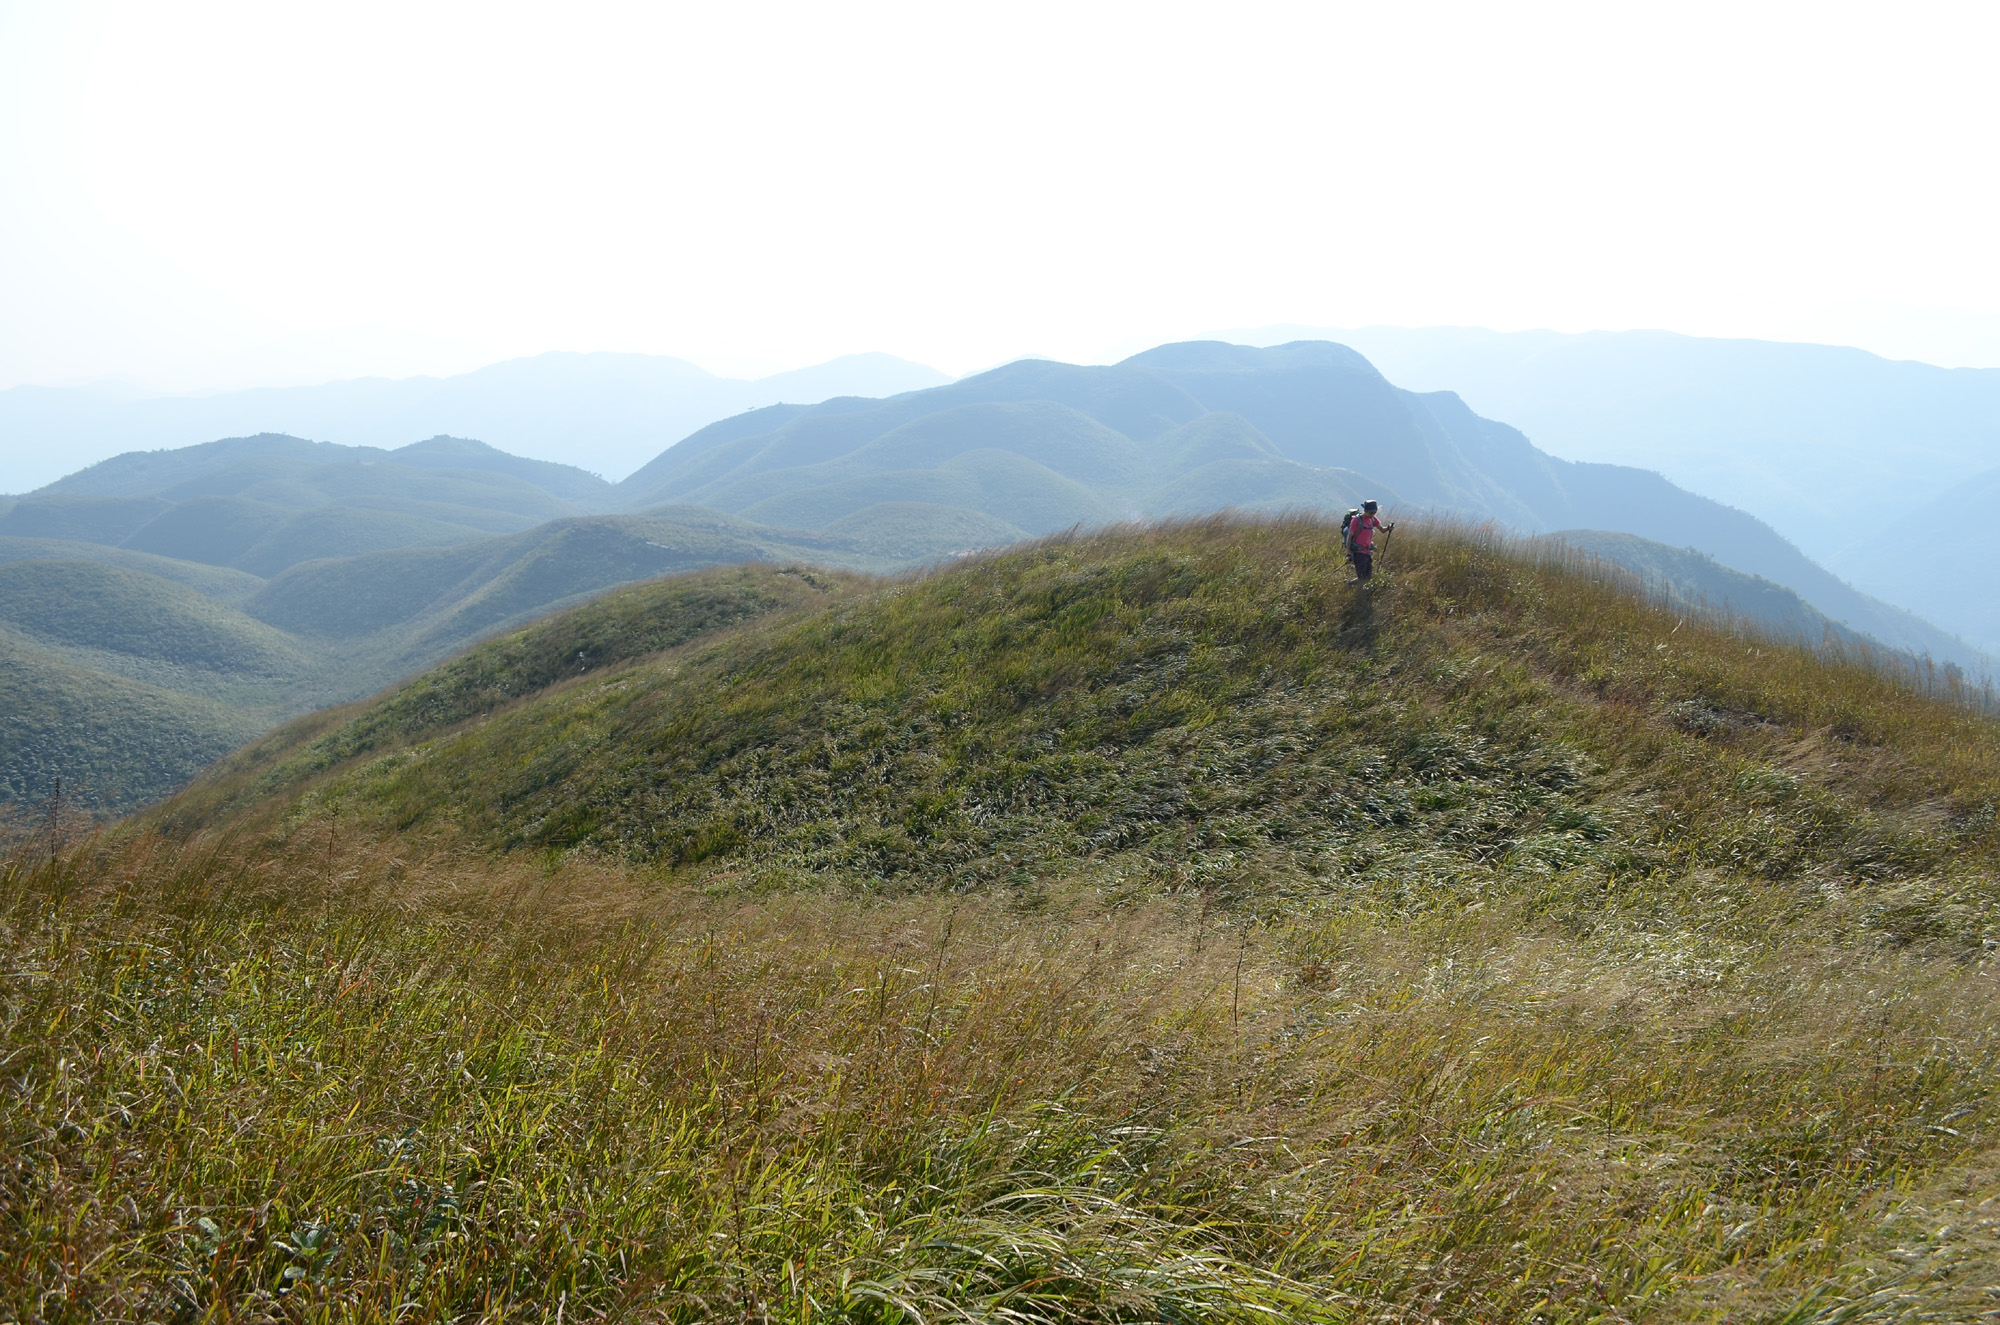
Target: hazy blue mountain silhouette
[1689, 579]
[1821, 441]
[1801, 435]
[1308, 424]
[1942, 557]
[601, 412]
[1026, 449]
[192, 597]
[236, 465]
[261, 504]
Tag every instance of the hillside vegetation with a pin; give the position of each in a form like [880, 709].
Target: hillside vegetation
[1202, 426]
[321, 633]
[113, 740]
[373, 564]
[217, 582]
[1216, 691]
[1145, 927]
[123, 684]
[90, 605]
[633, 623]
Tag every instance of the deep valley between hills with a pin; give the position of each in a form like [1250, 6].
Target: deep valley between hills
[979, 855]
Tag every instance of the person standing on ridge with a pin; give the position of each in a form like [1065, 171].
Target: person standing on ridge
[1361, 532]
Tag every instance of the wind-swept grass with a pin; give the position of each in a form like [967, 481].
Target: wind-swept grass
[342, 1084]
[1144, 928]
[1216, 698]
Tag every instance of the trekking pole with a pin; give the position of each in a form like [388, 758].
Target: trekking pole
[55, 822]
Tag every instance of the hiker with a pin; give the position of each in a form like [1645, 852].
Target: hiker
[1359, 529]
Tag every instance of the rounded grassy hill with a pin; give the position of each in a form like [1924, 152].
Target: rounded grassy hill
[1144, 927]
[1213, 700]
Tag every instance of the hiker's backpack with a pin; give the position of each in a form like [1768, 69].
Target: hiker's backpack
[1347, 529]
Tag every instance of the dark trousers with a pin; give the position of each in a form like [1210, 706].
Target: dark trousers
[1364, 564]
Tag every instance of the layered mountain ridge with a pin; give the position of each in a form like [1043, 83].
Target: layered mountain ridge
[1205, 425]
[367, 563]
[1881, 470]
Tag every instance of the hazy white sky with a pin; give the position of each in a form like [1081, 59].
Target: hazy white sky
[206, 195]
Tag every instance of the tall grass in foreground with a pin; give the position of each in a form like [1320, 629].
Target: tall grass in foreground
[335, 1083]
[1141, 927]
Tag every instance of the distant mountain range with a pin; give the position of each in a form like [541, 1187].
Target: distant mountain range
[262, 576]
[1883, 471]
[1824, 444]
[607, 413]
[1203, 425]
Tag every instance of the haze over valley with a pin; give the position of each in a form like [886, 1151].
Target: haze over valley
[283, 575]
[1075, 664]
[1877, 469]
[605, 413]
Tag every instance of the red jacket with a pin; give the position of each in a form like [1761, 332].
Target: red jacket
[1361, 532]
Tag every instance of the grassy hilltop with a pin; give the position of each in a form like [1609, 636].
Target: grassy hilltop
[372, 565]
[1141, 927]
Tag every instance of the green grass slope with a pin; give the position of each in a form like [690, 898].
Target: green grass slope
[1219, 694]
[641, 620]
[1693, 579]
[1148, 927]
[918, 532]
[115, 743]
[108, 608]
[218, 582]
[78, 518]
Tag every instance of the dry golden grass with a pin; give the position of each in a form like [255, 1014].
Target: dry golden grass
[1498, 948]
[341, 1084]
